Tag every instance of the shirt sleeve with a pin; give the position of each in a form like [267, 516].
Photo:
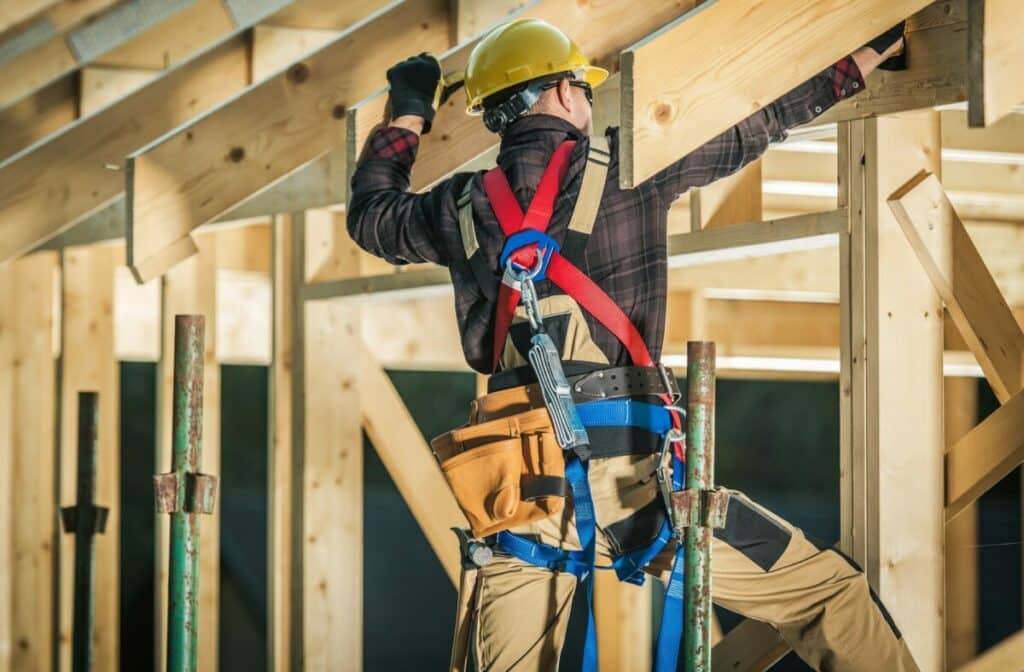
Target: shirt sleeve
[746, 141]
[384, 218]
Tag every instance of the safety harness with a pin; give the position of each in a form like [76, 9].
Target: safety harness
[531, 255]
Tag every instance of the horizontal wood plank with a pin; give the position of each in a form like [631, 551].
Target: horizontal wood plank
[668, 111]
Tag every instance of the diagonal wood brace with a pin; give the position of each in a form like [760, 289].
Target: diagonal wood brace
[198, 495]
[699, 508]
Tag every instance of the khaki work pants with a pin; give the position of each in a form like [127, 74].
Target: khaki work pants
[762, 568]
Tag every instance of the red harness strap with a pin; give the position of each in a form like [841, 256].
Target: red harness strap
[560, 271]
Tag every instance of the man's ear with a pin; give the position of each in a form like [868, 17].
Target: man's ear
[565, 95]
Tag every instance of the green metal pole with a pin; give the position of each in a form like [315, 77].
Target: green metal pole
[187, 434]
[85, 520]
[700, 478]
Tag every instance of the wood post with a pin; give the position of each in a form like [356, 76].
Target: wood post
[891, 382]
[28, 370]
[88, 363]
[961, 415]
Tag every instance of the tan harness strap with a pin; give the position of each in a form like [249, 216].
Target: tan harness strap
[594, 176]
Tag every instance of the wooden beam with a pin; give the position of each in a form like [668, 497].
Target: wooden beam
[995, 58]
[13, 14]
[756, 238]
[37, 116]
[472, 17]
[191, 176]
[282, 455]
[28, 369]
[600, 29]
[937, 53]
[891, 403]
[191, 289]
[1003, 656]
[110, 25]
[88, 185]
[959, 274]
[88, 364]
[960, 401]
[100, 86]
[43, 191]
[668, 111]
[409, 461]
[273, 47]
[332, 585]
[733, 200]
[987, 454]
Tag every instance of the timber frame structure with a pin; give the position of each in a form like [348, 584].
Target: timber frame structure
[148, 169]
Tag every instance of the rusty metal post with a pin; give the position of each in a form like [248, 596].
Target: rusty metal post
[85, 520]
[700, 478]
[185, 493]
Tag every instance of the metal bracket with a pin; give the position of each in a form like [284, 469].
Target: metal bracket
[89, 519]
[198, 495]
[474, 553]
[699, 508]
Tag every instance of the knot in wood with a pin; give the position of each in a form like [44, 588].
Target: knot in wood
[663, 113]
[236, 154]
[298, 73]
[338, 111]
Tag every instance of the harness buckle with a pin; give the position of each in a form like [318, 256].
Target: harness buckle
[474, 553]
[669, 381]
[546, 246]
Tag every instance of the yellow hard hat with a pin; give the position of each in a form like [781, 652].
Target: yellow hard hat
[519, 51]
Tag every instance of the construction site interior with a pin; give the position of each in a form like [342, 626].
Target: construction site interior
[863, 283]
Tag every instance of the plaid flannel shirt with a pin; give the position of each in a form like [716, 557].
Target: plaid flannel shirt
[626, 254]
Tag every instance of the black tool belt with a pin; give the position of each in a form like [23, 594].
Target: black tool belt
[593, 382]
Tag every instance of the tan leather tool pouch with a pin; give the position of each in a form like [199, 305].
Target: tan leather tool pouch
[504, 472]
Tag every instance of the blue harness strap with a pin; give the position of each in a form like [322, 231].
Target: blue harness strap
[629, 566]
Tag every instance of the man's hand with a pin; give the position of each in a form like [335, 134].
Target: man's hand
[879, 50]
[416, 90]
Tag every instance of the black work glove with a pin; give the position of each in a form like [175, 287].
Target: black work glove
[886, 40]
[416, 88]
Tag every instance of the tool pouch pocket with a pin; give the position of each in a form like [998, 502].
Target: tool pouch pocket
[504, 473]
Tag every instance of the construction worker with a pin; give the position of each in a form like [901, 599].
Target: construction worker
[603, 251]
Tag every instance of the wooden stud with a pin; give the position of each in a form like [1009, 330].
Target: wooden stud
[960, 401]
[332, 585]
[92, 178]
[668, 111]
[985, 455]
[600, 29]
[279, 533]
[995, 56]
[191, 289]
[28, 319]
[892, 384]
[190, 177]
[960, 276]
[88, 363]
[733, 200]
